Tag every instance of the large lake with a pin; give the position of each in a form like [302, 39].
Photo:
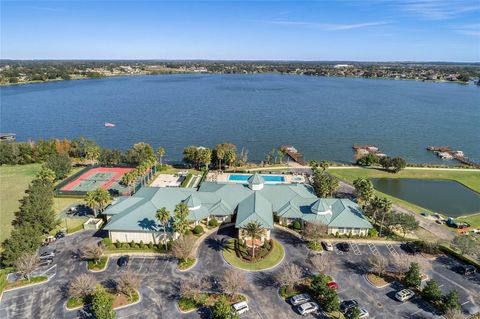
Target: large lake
[321, 116]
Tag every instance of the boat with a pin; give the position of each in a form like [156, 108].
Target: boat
[108, 124]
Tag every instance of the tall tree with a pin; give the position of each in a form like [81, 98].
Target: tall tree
[465, 244]
[254, 230]
[82, 286]
[102, 303]
[163, 217]
[413, 277]
[326, 297]
[26, 264]
[232, 282]
[432, 291]
[140, 152]
[160, 154]
[61, 164]
[289, 276]
[450, 301]
[24, 238]
[46, 175]
[324, 184]
[128, 283]
[180, 218]
[364, 191]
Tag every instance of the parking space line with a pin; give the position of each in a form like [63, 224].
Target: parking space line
[391, 249]
[356, 249]
[373, 249]
[465, 303]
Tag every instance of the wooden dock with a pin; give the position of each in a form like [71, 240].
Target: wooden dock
[7, 136]
[293, 153]
[457, 155]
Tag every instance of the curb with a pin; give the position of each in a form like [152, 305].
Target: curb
[187, 269]
[374, 286]
[26, 286]
[140, 298]
[100, 270]
[266, 269]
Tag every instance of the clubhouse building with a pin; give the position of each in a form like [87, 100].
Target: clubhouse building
[133, 218]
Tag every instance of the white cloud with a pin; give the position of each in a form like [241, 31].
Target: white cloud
[438, 9]
[326, 26]
[469, 29]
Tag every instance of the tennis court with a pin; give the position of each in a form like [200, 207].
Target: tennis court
[106, 177]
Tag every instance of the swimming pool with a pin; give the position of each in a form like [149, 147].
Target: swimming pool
[267, 178]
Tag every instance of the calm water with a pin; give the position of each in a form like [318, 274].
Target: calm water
[322, 117]
[446, 197]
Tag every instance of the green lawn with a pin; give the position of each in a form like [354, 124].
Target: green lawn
[14, 181]
[470, 179]
[271, 260]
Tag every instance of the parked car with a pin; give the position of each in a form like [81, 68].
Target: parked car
[240, 307]
[346, 305]
[404, 295]
[333, 285]
[327, 245]
[466, 270]
[299, 299]
[47, 255]
[410, 248]
[45, 262]
[362, 315]
[60, 234]
[306, 308]
[123, 261]
[344, 247]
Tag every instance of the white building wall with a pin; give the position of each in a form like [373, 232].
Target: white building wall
[126, 237]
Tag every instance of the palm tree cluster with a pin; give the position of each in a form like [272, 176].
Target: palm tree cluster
[145, 169]
[98, 198]
[254, 230]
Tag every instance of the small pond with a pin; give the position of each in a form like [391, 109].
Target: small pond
[443, 196]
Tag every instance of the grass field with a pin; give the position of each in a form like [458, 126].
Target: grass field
[467, 178]
[14, 181]
[274, 258]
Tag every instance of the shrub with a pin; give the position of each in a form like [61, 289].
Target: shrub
[296, 225]
[213, 222]
[118, 244]
[372, 232]
[125, 245]
[267, 245]
[107, 242]
[198, 230]
[141, 244]
[188, 232]
[150, 245]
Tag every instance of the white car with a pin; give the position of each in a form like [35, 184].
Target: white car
[240, 307]
[306, 308]
[404, 295]
[299, 299]
[363, 313]
[327, 245]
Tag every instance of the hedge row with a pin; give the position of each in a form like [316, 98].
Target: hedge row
[449, 251]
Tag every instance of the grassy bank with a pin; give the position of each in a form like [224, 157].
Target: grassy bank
[274, 258]
[467, 178]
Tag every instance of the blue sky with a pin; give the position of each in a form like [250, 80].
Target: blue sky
[363, 30]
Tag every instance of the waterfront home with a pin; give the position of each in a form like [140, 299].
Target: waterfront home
[133, 218]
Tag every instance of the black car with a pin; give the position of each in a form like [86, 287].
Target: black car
[343, 247]
[123, 261]
[411, 248]
[466, 270]
[346, 305]
[60, 234]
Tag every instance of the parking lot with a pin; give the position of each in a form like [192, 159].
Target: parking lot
[160, 282]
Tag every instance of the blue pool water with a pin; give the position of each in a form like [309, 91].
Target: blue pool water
[267, 178]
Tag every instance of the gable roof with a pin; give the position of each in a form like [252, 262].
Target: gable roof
[255, 208]
[289, 210]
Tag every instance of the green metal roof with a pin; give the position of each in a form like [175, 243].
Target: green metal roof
[137, 213]
[320, 206]
[255, 208]
[256, 179]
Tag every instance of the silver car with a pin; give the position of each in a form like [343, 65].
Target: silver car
[306, 308]
[404, 295]
[299, 299]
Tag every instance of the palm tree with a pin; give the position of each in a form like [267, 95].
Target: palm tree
[180, 221]
[254, 230]
[163, 216]
[102, 197]
[91, 201]
[323, 165]
[386, 207]
[160, 154]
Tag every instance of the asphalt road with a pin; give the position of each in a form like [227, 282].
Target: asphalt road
[161, 280]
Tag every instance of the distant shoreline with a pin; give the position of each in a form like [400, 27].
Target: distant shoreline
[226, 73]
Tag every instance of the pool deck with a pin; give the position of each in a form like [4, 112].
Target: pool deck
[167, 180]
[224, 178]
